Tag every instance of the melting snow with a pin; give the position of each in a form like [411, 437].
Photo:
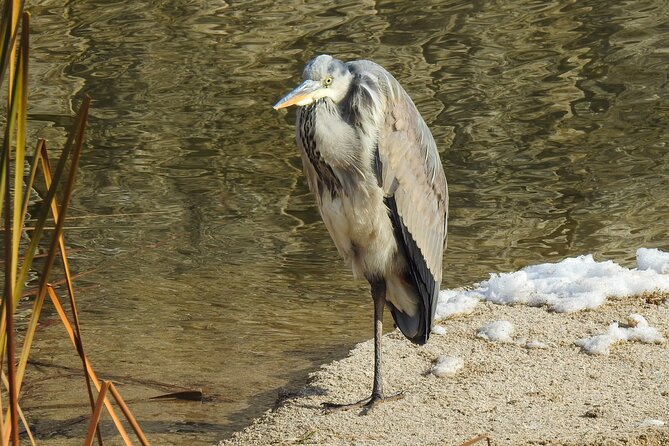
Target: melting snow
[447, 366]
[651, 423]
[653, 259]
[536, 344]
[438, 330]
[638, 330]
[454, 302]
[498, 331]
[574, 284]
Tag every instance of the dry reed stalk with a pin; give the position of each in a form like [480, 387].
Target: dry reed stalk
[13, 205]
[477, 439]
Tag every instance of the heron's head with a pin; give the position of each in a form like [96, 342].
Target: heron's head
[324, 77]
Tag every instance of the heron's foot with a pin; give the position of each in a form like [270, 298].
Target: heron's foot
[375, 400]
[368, 404]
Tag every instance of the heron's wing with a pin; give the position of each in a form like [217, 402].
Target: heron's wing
[414, 184]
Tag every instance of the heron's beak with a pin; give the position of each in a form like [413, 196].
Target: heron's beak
[305, 94]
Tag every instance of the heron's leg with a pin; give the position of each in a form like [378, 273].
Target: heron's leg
[368, 404]
[379, 297]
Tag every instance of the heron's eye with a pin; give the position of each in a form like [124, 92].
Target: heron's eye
[327, 81]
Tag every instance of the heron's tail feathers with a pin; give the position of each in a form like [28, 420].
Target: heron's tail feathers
[407, 309]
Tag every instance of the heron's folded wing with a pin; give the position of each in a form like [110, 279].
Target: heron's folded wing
[415, 187]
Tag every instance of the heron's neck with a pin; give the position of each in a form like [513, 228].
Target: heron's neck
[336, 140]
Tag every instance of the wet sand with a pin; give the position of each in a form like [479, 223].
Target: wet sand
[514, 392]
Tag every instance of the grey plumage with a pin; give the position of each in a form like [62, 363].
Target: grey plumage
[373, 166]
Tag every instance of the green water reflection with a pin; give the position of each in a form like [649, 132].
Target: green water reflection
[211, 268]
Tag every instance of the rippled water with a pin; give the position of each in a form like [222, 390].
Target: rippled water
[208, 264]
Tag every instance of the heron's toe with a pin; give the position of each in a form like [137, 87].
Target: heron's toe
[368, 404]
[375, 400]
[335, 407]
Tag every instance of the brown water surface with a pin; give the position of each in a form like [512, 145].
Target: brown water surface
[210, 266]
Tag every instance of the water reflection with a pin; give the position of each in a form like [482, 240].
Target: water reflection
[211, 268]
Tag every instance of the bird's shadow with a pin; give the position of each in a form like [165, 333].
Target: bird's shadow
[286, 395]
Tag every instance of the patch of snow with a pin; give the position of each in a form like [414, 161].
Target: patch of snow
[438, 330]
[573, 284]
[498, 331]
[638, 330]
[652, 259]
[536, 344]
[651, 423]
[447, 366]
[455, 302]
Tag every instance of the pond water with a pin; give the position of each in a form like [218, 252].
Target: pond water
[207, 264]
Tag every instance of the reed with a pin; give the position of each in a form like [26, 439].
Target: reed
[16, 182]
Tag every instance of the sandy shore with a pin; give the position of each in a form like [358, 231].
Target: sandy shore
[554, 394]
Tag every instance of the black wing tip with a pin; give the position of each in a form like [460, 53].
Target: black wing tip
[425, 285]
[414, 328]
[421, 339]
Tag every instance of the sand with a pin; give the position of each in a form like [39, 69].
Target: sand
[514, 394]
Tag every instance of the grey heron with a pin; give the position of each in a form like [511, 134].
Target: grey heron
[380, 187]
